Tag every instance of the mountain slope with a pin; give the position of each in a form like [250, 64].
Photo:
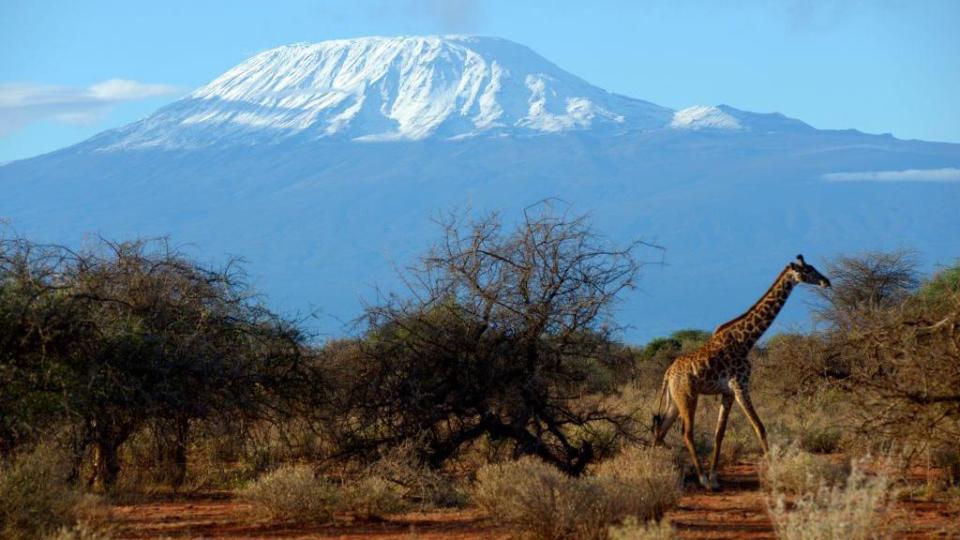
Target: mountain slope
[325, 209]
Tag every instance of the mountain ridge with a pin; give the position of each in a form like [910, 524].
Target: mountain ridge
[732, 195]
[310, 104]
[379, 88]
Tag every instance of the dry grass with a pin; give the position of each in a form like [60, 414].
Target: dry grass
[790, 469]
[80, 531]
[640, 482]
[416, 483]
[634, 530]
[535, 498]
[854, 511]
[36, 498]
[830, 501]
[374, 496]
[547, 504]
[293, 493]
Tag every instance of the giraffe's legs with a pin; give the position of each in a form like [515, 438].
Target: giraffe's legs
[687, 406]
[665, 424]
[743, 399]
[660, 431]
[725, 404]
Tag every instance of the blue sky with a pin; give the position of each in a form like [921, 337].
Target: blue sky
[71, 69]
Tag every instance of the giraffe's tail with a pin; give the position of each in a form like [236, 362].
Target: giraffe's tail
[658, 417]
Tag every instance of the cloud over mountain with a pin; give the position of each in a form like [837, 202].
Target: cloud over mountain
[24, 103]
[909, 175]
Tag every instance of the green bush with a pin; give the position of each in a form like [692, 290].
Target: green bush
[123, 336]
[940, 287]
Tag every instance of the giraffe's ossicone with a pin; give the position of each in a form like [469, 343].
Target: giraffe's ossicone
[721, 366]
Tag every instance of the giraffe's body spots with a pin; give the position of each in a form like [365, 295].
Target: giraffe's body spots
[721, 366]
[705, 377]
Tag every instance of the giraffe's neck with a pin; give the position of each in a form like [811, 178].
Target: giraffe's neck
[747, 328]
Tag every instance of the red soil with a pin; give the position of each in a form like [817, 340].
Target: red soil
[738, 511]
[223, 518]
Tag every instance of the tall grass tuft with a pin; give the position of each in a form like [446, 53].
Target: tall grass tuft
[789, 469]
[851, 512]
[293, 493]
[814, 499]
[547, 504]
[640, 482]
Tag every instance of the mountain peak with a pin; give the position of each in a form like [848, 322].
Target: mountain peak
[388, 88]
[407, 88]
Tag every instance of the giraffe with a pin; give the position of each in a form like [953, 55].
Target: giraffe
[720, 366]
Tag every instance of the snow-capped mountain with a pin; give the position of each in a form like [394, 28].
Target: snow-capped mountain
[323, 165]
[377, 88]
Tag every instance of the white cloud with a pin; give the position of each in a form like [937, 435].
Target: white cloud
[121, 89]
[908, 175]
[25, 103]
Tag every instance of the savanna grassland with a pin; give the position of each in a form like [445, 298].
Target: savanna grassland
[146, 395]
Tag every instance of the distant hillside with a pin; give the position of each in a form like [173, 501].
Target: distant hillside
[323, 164]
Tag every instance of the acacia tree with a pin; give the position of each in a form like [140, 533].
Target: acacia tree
[504, 333]
[35, 325]
[864, 284]
[904, 368]
[892, 344]
[123, 334]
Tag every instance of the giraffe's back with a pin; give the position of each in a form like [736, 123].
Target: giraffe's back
[705, 371]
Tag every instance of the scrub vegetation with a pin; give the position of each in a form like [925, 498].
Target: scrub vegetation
[497, 384]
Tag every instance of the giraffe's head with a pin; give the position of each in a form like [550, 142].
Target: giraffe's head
[806, 273]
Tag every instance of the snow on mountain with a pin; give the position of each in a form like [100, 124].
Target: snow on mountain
[703, 117]
[406, 89]
[388, 88]
[727, 118]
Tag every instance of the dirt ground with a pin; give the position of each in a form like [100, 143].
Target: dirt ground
[738, 511]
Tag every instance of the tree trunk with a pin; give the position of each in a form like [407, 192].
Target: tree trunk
[181, 442]
[106, 465]
[107, 440]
